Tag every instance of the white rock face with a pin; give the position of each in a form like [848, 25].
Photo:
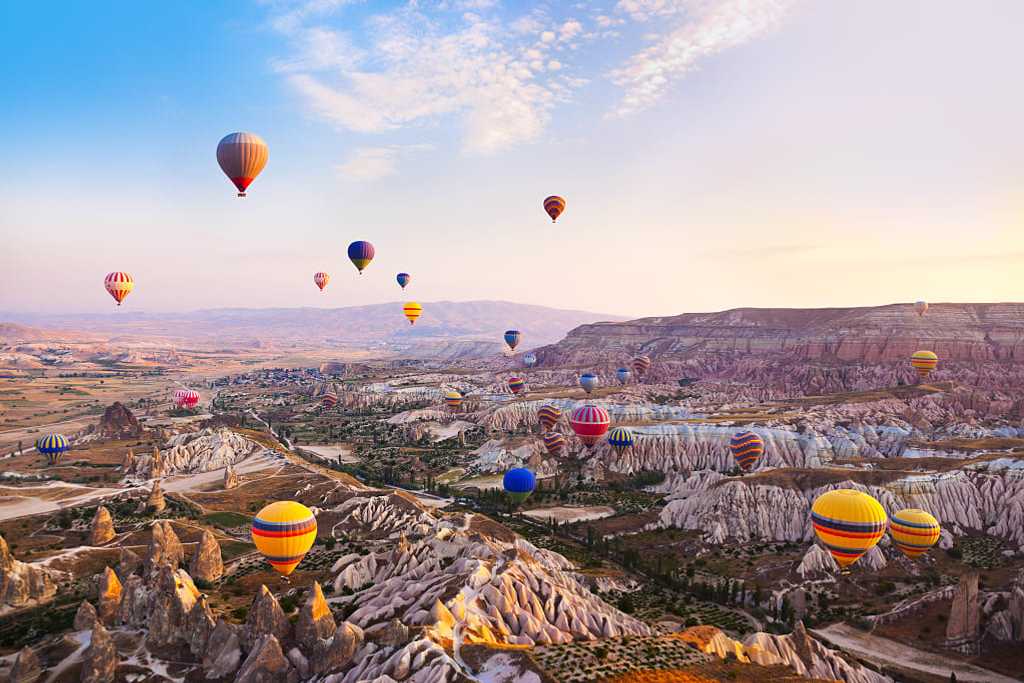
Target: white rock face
[189, 453]
[809, 658]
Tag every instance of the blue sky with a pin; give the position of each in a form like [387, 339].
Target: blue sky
[714, 153]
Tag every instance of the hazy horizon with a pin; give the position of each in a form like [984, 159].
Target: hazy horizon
[714, 155]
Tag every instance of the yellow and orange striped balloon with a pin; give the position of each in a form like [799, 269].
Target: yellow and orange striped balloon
[914, 531]
[924, 362]
[848, 523]
[119, 285]
[412, 311]
[284, 532]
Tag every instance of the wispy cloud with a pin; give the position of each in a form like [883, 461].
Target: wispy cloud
[707, 28]
[374, 163]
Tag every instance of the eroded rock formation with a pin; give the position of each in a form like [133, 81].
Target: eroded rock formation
[119, 423]
[207, 564]
[22, 583]
[102, 529]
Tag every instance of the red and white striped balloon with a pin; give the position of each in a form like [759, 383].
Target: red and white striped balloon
[186, 398]
[119, 285]
[321, 279]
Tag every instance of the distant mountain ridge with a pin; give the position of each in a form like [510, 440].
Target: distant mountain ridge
[375, 324]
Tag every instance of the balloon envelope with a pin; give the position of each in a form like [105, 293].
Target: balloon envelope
[284, 532]
[119, 285]
[747, 448]
[924, 362]
[554, 442]
[588, 381]
[914, 531]
[321, 279]
[329, 401]
[53, 446]
[548, 416]
[403, 279]
[512, 338]
[848, 523]
[641, 364]
[242, 156]
[360, 253]
[590, 423]
[186, 398]
[519, 484]
[412, 311]
[529, 360]
[620, 439]
[453, 399]
[516, 384]
[623, 375]
[920, 307]
[554, 206]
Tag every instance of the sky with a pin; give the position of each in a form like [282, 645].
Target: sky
[713, 153]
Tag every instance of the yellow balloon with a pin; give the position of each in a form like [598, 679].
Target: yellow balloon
[849, 523]
[412, 311]
[284, 532]
[914, 531]
[924, 362]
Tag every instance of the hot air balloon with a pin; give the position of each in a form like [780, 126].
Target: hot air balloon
[548, 416]
[453, 399]
[321, 279]
[403, 279]
[186, 398]
[924, 362]
[590, 423]
[554, 206]
[512, 338]
[849, 523]
[920, 307]
[242, 156]
[412, 311]
[554, 442]
[328, 401]
[519, 484]
[747, 448]
[914, 531]
[620, 439]
[119, 285]
[284, 532]
[641, 364]
[529, 360]
[623, 374]
[588, 381]
[53, 446]
[360, 253]
[516, 384]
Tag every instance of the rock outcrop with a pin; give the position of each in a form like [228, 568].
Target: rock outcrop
[22, 583]
[963, 626]
[223, 651]
[164, 547]
[85, 617]
[109, 599]
[265, 618]
[210, 449]
[102, 529]
[99, 662]
[119, 423]
[128, 462]
[230, 478]
[266, 663]
[808, 657]
[128, 563]
[26, 667]
[315, 620]
[156, 503]
[207, 564]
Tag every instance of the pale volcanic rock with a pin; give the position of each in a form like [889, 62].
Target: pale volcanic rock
[85, 617]
[99, 662]
[223, 651]
[816, 562]
[265, 618]
[128, 463]
[171, 600]
[128, 563]
[155, 502]
[119, 423]
[336, 654]
[230, 478]
[315, 620]
[22, 583]
[380, 517]
[963, 626]
[193, 452]
[808, 657]
[109, 599]
[102, 529]
[199, 625]
[26, 667]
[266, 663]
[419, 661]
[164, 547]
[207, 563]
[135, 599]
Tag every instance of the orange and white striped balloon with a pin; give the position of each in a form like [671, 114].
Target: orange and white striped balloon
[119, 285]
[321, 280]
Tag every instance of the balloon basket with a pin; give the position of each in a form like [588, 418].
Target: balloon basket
[241, 194]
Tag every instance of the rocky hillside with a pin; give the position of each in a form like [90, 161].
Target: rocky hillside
[810, 350]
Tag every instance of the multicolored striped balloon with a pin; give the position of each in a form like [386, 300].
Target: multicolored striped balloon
[747, 448]
[53, 446]
[516, 384]
[512, 338]
[588, 381]
[548, 416]
[403, 279]
[620, 439]
[519, 484]
[284, 532]
[554, 206]
[453, 400]
[914, 531]
[641, 364]
[242, 157]
[848, 523]
[321, 279]
[924, 362]
[412, 311]
[119, 285]
[360, 253]
[328, 401]
[554, 442]
[590, 423]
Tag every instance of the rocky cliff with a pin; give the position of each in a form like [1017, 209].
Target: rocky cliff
[192, 452]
